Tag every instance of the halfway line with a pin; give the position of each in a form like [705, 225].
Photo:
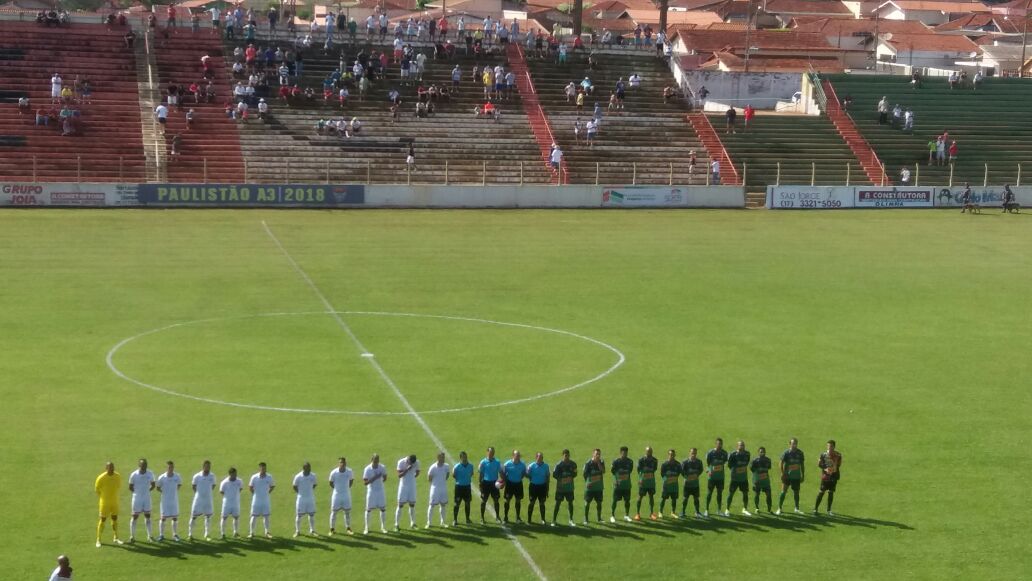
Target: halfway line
[333, 312]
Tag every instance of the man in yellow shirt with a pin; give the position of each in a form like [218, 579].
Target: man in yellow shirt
[107, 486]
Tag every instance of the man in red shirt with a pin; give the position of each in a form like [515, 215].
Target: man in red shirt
[442, 25]
[749, 113]
[953, 151]
[171, 16]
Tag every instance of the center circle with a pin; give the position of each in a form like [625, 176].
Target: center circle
[441, 363]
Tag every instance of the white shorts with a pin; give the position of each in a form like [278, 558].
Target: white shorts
[55, 92]
[340, 502]
[305, 505]
[202, 506]
[230, 509]
[406, 495]
[261, 508]
[141, 503]
[438, 495]
[375, 500]
[169, 509]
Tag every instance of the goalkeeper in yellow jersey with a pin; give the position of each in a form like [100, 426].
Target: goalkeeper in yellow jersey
[107, 486]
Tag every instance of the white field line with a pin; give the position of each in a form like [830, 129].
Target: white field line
[330, 310]
[118, 347]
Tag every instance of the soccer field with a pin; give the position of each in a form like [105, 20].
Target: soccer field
[192, 335]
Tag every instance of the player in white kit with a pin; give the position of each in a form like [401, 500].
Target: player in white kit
[261, 487]
[408, 471]
[168, 485]
[438, 477]
[374, 476]
[304, 485]
[230, 489]
[141, 483]
[203, 501]
[341, 479]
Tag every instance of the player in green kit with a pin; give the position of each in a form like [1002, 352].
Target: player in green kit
[564, 473]
[691, 469]
[621, 471]
[715, 461]
[647, 467]
[760, 468]
[738, 464]
[793, 470]
[593, 485]
[670, 471]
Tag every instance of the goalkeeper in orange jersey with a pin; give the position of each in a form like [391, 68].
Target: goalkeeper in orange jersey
[830, 464]
[107, 486]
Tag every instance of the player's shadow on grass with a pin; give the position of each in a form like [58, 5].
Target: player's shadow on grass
[183, 550]
[855, 521]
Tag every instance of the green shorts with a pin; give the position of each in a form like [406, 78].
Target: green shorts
[561, 496]
[593, 495]
[649, 490]
[621, 494]
[670, 493]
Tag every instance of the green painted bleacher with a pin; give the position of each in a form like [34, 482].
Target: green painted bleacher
[804, 145]
[991, 125]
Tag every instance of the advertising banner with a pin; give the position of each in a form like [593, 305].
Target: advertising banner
[894, 197]
[984, 196]
[67, 194]
[809, 197]
[250, 195]
[645, 196]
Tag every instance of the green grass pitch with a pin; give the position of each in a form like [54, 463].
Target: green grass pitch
[902, 334]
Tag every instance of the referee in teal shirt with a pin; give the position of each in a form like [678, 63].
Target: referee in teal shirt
[515, 471]
[540, 475]
[463, 475]
[489, 470]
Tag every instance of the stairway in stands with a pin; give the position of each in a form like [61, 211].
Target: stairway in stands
[847, 129]
[110, 148]
[709, 138]
[532, 107]
[210, 151]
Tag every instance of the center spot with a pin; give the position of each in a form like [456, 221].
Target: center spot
[305, 361]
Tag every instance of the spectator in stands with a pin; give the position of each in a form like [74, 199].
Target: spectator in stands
[189, 119]
[230, 109]
[634, 81]
[42, 116]
[352, 129]
[904, 176]
[940, 150]
[692, 160]
[587, 87]
[195, 23]
[963, 79]
[592, 132]
[953, 80]
[161, 113]
[23, 105]
[239, 93]
[66, 94]
[883, 110]
[748, 113]
[209, 93]
[55, 88]
[932, 146]
[571, 92]
[342, 96]
[915, 79]
[700, 97]
[555, 157]
[730, 115]
[668, 94]
[580, 103]
[597, 113]
[715, 171]
[263, 109]
[171, 12]
[241, 111]
[172, 92]
[62, 17]
[953, 151]
[173, 147]
[977, 81]
[284, 94]
[897, 116]
[284, 75]
[847, 102]
[129, 39]
[562, 53]
[908, 121]
[193, 91]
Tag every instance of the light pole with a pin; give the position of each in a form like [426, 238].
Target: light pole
[748, 29]
[1024, 39]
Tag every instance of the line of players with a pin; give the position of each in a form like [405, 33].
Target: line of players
[494, 478]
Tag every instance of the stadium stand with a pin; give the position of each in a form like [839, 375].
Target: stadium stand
[649, 133]
[210, 149]
[451, 146]
[806, 147]
[108, 145]
[991, 125]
